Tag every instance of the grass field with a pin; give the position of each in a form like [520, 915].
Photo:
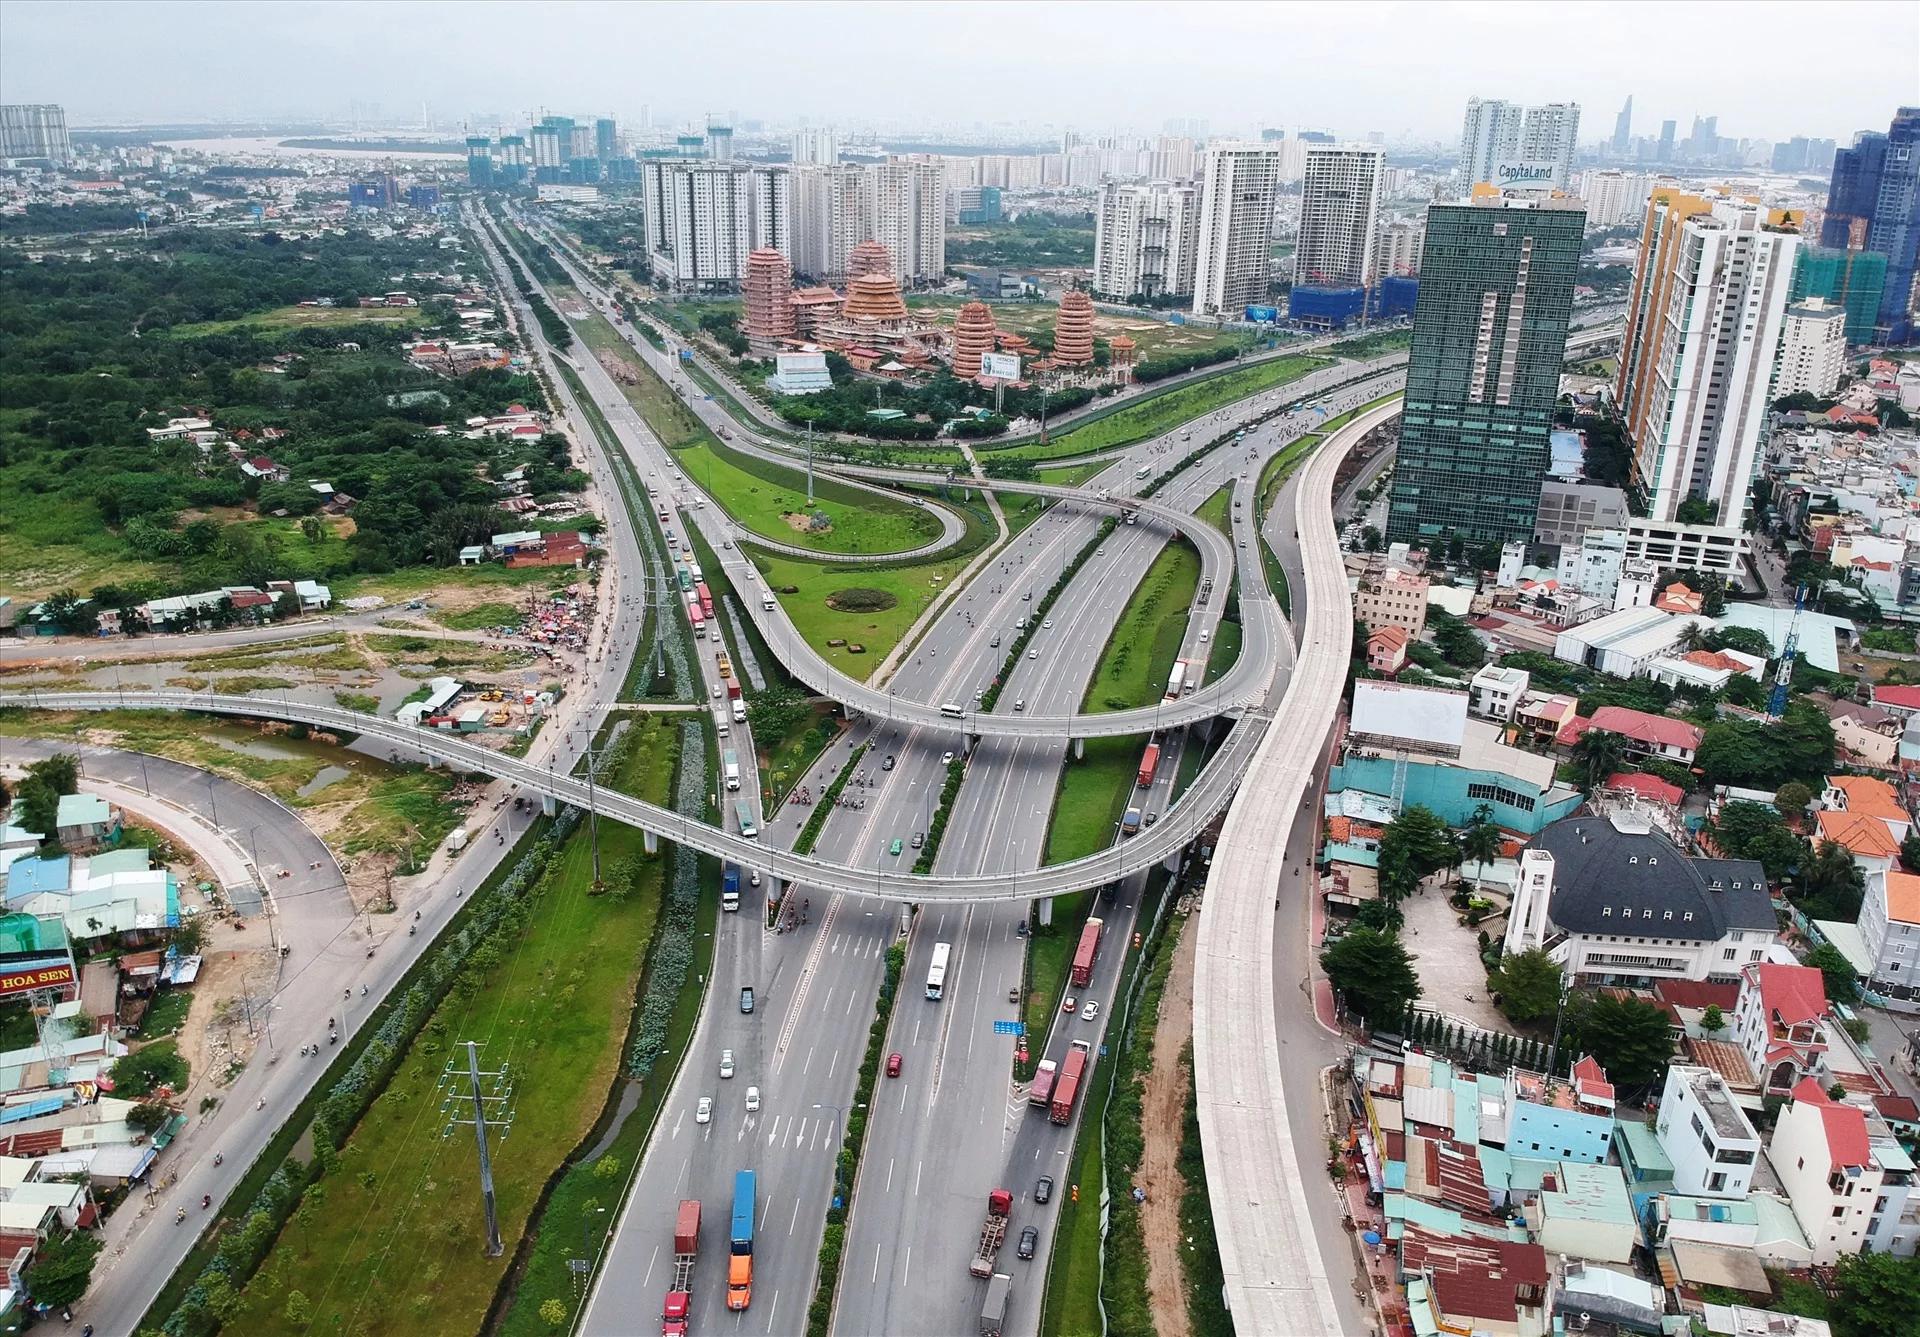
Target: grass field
[305, 318]
[481, 617]
[1373, 345]
[1140, 655]
[912, 587]
[761, 495]
[1214, 509]
[395, 1246]
[1162, 412]
[1071, 475]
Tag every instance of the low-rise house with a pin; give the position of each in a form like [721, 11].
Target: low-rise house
[1623, 643]
[85, 821]
[1780, 1023]
[1387, 650]
[1866, 797]
[1388, 596]
[1658, 736]
[1712, 1146]
[1870, 735]
[1616, 902]
[1584, 1211]
[1496, 692]
[1554, 1120]
[1497, 1287]
[1822, 1154]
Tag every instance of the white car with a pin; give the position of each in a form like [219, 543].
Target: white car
[753, 1100]
[703, 1112]
[946, 759]
[1090, 1011]
[1046, 624]
[716, 691]
[726, 1063]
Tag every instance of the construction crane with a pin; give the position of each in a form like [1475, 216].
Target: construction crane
[1783, 676]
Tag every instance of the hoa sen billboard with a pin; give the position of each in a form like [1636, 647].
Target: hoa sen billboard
[44, 972]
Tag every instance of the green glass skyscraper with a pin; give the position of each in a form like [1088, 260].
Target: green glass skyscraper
[1489, 332]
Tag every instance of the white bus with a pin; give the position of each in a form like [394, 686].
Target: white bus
[937, 972]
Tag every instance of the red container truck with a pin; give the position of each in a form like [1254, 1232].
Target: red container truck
[1086, 954]
[1149, 763]
[1042, 1092]
[1067, 1085]
[686, 1243]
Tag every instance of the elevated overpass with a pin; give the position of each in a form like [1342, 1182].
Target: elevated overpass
[1276, 1277]
[1210, 791]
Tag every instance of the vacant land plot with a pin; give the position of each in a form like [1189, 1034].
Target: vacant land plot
[307, 317]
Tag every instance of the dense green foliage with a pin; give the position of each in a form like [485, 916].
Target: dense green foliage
[1630, 1038]
[939, 400]
[1527, 985]
[1374, 972]
[1033, 240]
[93, 354]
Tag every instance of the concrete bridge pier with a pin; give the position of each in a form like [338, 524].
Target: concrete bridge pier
[1079, 749]
[549, 805]
[650, 841]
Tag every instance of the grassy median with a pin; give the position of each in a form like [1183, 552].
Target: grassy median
[771, 500]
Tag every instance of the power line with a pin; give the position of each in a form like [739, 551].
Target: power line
[500, 1095]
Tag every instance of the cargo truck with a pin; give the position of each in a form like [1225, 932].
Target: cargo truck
[731, 761]
[733, 689]
[739, 711]
[1067, 1085]
[1130, 824]
[1086, 954]
[1042, 1092]
[993, 1313]
[1175, 678]
[1149, 763]
[993, 1232]
[686, 1243]
[740, 1263]
[730, 888]
[721, 661]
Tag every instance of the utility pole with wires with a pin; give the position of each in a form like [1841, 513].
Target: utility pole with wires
[500, 1096]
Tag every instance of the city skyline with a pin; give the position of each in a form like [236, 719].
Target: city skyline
[115, 63]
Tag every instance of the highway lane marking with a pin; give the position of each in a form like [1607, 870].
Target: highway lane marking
[796, 1214]
[832, 1063]
[875, 1278]
[770, 1308]
[809, 1063]
[918, 1166]
[792, 1021]
[678, 1122]
[889, 1187]
[906, 1268]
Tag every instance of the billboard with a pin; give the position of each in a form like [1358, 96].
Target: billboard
[27, 973]
[1265, 314]
[1527, 174]
[1000, 366]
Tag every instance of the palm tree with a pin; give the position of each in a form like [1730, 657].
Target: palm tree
[1482, 841]
[1598, 753]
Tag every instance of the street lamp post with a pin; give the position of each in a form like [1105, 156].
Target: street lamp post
[838, 1112]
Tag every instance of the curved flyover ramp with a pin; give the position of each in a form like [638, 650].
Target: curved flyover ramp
[1276, 1279]
[1210, 791]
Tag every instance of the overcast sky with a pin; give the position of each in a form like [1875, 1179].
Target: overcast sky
[1768, 70]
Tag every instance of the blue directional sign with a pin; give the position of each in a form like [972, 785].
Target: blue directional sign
[1009, 1028]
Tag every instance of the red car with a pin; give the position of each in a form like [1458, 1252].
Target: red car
[893, 1065]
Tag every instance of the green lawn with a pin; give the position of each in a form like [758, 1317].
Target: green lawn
[911, 586]
[305, 317]
[1369, 346]
[1093, 796]
[1214, 509]
[1073, 1270]
[481, 617]
[762, 495]
[1071, 475]
[396, 1246]
[1161, 412]
[1140, 655]
[1226, 648]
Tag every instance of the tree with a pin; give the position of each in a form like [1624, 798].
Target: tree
[1744, 639]
[1910, 851]
[1713, 1019]
[1792, 799]
[62, 1268]
[36, 806]
[1627, 1037]
[1598, 754]
[1832, 885]
[554, 1312]
[299, 1310]
[1374, 972]
[1878, 1294]
[149, 1117]
[1483, 840]
[1528, 984]
[1415, 844]
[72, 614]
[61, 771]
[1842, 980]
[1746, 830]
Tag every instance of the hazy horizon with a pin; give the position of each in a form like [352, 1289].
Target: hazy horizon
[1405, 70]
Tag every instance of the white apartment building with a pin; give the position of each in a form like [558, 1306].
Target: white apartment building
[1703, 338]
[1396, 252]
[1813, 349]
[1392, 597]
[1339, 215]
[1236, 228]
[1146, 240]
[1890, 924]
[816, 144]
[1821, 1151]
[907, 212]
[1704, 1133]
[703, 219]
[1614, 197]
[900, 203]
[1509, 145]
[1495, 691]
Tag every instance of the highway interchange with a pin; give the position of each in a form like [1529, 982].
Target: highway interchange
[954, 1125]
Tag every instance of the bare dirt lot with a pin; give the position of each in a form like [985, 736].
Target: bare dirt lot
[1163, 1107]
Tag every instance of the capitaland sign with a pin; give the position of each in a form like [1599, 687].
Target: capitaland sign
[1524, 173]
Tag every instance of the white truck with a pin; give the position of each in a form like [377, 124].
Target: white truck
[730, 760]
